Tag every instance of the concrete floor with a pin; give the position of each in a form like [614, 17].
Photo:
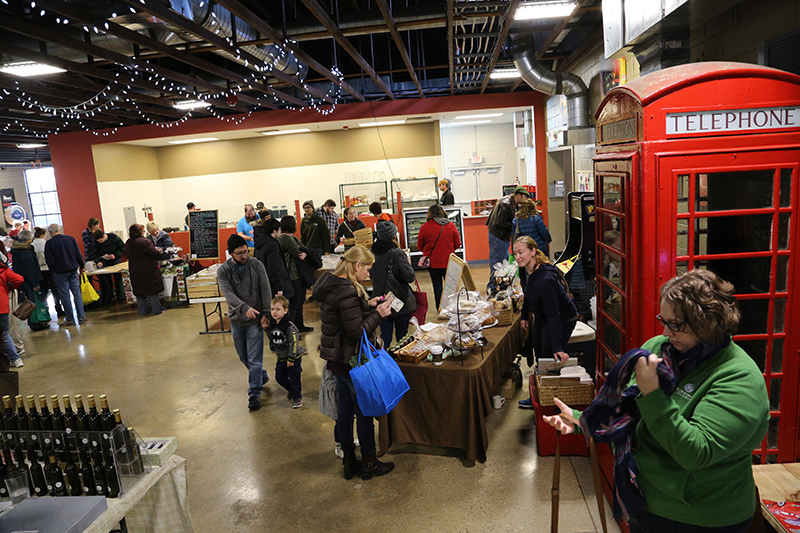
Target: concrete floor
[274, 470]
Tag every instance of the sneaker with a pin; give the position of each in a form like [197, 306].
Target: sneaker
[18, 363]
[68, 323]
[302, 351]
[297, 404]
[526, 404]
[338, 452]
[82, 320]
[253, 404]
[20, 351]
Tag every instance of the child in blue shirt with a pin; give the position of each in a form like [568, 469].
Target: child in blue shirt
[283, 340]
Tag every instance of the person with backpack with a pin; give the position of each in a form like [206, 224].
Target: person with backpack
[555, 314]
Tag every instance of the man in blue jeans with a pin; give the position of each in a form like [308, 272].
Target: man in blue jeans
[244, 284]
[500, 223]
[64, 260]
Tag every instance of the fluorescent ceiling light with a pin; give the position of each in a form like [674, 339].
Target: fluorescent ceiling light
[504, 74]
[385, 123]
[189, 141]
[190, 104]
[545, 10]
[472, 117]
[470, 122]
[31, 145]
[284, 132]
[29, 68]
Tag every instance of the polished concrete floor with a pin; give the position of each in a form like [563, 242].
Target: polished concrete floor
[274, 469]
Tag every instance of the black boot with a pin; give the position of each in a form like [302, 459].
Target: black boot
[372, 467]
[351, 465]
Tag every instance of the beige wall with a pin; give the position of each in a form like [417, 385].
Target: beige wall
[123, 162]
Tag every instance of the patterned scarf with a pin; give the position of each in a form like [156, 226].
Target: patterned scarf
[612, 415]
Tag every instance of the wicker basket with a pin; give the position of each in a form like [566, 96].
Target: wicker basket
[565, 389]
[363, 237]
[504, 317]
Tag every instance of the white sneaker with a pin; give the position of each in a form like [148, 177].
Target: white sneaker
[17, 363]
[338, 451]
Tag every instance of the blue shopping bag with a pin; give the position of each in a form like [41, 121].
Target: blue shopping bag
[379, 383]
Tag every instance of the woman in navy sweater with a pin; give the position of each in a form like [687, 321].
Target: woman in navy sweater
[554, 313]
[528, 221]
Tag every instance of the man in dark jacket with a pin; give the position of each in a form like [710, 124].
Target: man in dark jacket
[64, 260]
[500, 224]
[269, 252]
[108, 249]
[314, 231]
[245, 286]
[447, 194]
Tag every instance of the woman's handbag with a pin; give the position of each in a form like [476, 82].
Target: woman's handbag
[425, 260]
[379, 382]
[422, 304]
[42, 313]
[88, 294]
[25, 308]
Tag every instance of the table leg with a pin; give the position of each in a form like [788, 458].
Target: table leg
[218, 311]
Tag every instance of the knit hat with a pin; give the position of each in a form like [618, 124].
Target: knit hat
[235, 241]
[386, 230]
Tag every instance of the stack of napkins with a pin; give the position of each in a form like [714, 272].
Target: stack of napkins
[577, 372]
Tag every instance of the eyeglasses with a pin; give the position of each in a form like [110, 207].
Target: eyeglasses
[239, 253]
[674, 327]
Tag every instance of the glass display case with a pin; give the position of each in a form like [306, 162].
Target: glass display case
[360, 195]
[416, 192]
[413, 219]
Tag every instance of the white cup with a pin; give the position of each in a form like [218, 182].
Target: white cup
[498, 401]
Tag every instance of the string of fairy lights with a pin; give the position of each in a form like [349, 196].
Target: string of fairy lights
[118, 94]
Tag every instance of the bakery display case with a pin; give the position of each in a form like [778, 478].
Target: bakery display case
[416, 192]
[413, 219]
[360, 195]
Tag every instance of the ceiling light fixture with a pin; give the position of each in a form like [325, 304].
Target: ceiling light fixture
[189, 141]
[29, 68]
[385, 123]
[473, 117]
[504, 74]
[190, 104]
[545, 10]
[284, 132]
[31, 145]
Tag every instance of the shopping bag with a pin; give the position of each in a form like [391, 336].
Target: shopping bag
[88, 294]
[379, 383]
[422, 305]
[25, 308]
[42, 313]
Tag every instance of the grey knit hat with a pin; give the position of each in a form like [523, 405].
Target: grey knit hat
[386, 230]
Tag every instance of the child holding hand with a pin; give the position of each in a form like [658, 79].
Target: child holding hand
[283, 340]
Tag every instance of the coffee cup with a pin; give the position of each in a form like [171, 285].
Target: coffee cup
[498, 401]
[436, 353]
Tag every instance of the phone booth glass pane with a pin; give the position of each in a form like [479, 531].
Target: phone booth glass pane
[724, 191]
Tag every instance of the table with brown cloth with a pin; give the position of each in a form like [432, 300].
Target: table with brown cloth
[447, 405]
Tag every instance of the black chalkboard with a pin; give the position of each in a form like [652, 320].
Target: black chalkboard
[203, 235]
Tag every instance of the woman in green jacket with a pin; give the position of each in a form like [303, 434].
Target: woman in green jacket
[699, 407]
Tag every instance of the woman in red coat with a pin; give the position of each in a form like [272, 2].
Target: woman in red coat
[437, 239]
[143, 267]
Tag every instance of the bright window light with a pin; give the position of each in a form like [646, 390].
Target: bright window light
[385, 123]
[189, 141]
[29, 68]
[31, 145]
[190, 104]
[545, 10]
[484, 115]
[284, 132]
[504, 74]
[470, 122]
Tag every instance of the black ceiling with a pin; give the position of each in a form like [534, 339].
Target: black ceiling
[128, 61]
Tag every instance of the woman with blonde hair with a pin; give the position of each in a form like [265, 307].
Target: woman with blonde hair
[346, 313]
[554, 313]
[528, 221]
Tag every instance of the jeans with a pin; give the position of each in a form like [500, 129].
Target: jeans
[364, 424]
[397, 322]
[498, 250]
[650, 523]
[11, 350]
[155, 304]
[437, 280]
[249, 344]
[66, 283]
[288, 377]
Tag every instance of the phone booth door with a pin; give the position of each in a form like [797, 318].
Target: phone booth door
[733, 215]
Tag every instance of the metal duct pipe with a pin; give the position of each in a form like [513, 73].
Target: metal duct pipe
[543, 80]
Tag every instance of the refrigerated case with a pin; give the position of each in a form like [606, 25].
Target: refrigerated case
[417, 192]
[360, 195]
[413, 219]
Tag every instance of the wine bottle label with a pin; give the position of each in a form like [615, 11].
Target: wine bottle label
[3, 492]
[85, 440]
[9, 436]
[49, 486]
[33, 436]
[105, 436]
[47, 440]
[95, 444]
[39, 491]
[69, 430]
[99, 489]
[58, 484]
[86, 490]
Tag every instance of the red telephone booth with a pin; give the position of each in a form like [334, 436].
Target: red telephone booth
[697, 167]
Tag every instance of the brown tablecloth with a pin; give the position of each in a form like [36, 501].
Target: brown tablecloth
[447, 405]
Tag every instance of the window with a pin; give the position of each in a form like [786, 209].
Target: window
[45, 209]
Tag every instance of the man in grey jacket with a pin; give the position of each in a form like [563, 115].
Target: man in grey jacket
[245, 286]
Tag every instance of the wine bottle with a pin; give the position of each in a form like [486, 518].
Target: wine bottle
[57, 418]
[71, 473]
[37, 474]
[135, 455]
[98, 474]
[86, 475]
[11, 416]
[112, 475]
[55, 478]
[22, 465]
[44, 413]
[22, 415]
[34, 418]
[3, 489]
[70, 418]
[82, 417]
[125, 452]
[107, 416]
[95, 420]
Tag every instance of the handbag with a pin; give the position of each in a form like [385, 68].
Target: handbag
[425, 260]
[88, 294]
[422, 305]
[379, 383]
[25, 309]
[42, 313]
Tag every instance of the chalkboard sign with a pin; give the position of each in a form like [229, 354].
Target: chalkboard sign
[457, 271]
[203, 234]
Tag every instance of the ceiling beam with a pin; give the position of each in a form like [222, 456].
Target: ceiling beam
[588, 43]
[450, 10]
[556, 31]
[507, 21]
[317, 10]
[387, 16]
[277, 37]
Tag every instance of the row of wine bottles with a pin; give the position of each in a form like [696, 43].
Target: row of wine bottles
[78, 419]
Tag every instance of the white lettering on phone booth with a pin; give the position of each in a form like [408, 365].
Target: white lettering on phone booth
[767, 118]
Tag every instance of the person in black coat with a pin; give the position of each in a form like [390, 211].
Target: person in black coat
[25, 263]
[268, 251]
[145, 275]
[447, 194]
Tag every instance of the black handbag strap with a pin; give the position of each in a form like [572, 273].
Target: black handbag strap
[437, 239]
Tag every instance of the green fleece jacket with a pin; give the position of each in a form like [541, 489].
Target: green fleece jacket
[693, 449]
